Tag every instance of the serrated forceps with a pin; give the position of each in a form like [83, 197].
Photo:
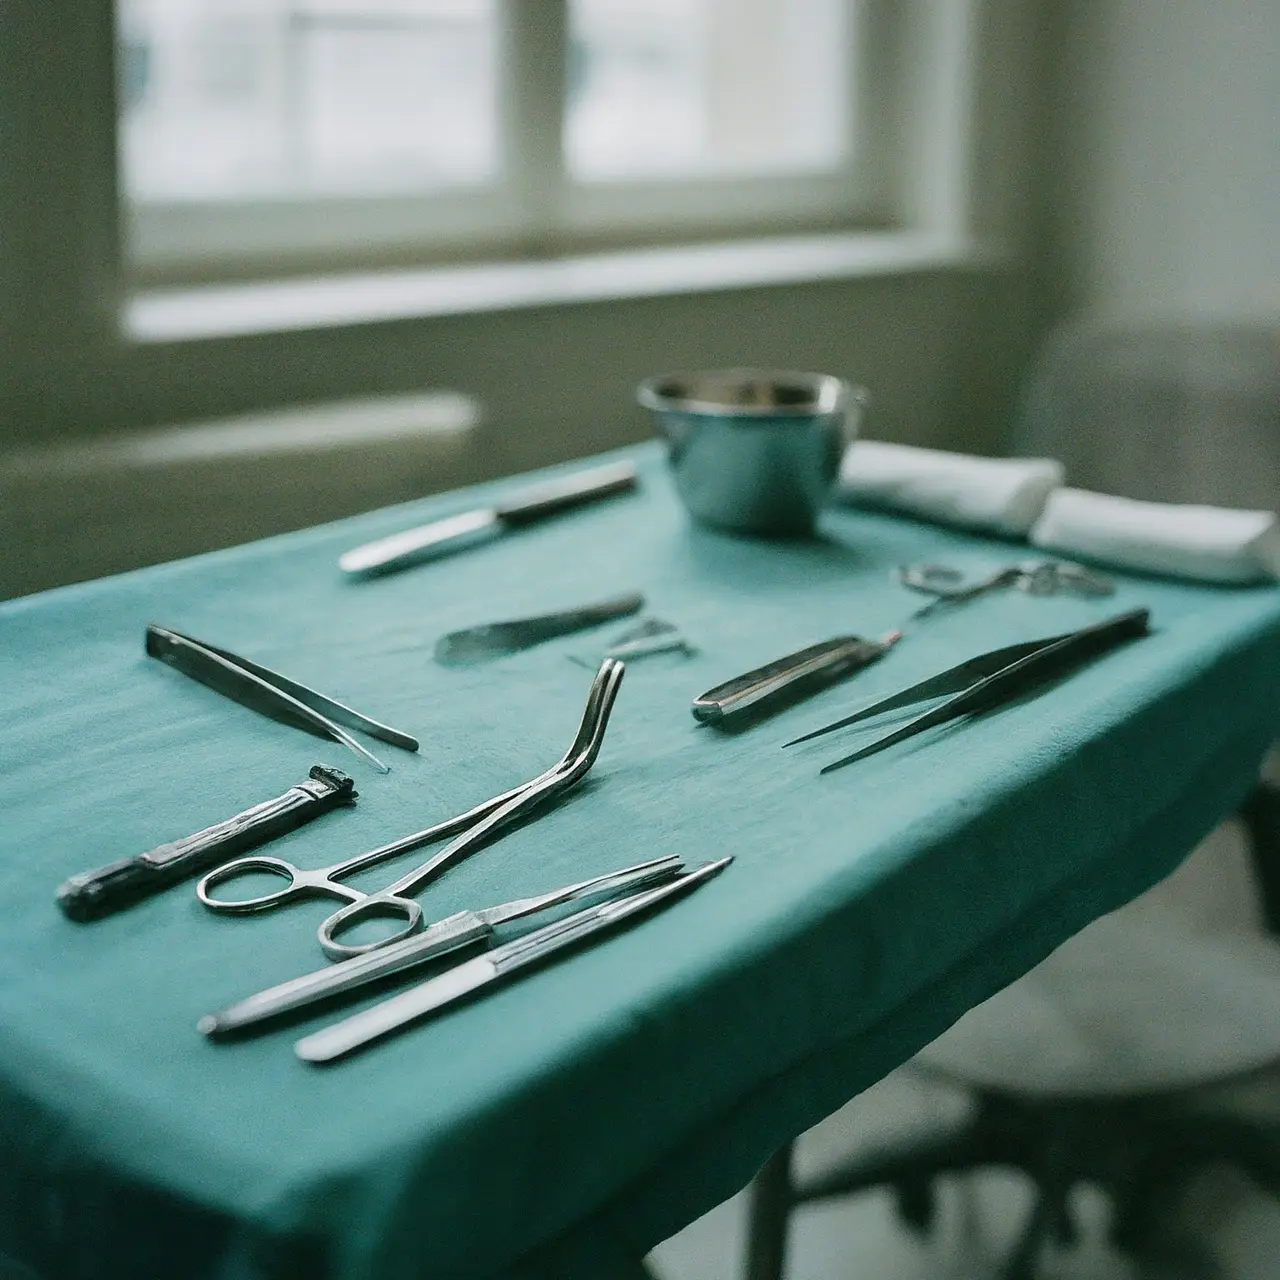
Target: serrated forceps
[470, 830]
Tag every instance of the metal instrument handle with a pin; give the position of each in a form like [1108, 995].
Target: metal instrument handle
[392, 902]
[450, 934]
[94, 894]
[441, 938]
[790, 678]
[554, 496]
[408, 1006]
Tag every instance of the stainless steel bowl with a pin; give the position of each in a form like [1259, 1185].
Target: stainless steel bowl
[754, 450]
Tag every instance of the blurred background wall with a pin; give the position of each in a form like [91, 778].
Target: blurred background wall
[1124, 159]
[1164, 199]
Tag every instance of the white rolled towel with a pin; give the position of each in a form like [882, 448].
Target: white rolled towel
[1209, 544]
[995, 495]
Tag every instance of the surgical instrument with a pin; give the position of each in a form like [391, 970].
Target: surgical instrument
[787, 680]
[647, 637]
[990, 679]
[949, 586]
[497, 639]
[448, 935]
[270, 693]
[401, 550]
[476, 826]
[94, 894]
[435, 993]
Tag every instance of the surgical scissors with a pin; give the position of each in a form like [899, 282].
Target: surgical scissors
[989, 680]
[949, 586]
[476, 826]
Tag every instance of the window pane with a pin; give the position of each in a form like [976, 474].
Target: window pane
[697, 88]
[246, 99]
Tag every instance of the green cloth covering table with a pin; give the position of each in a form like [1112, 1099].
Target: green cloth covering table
[564, 1125]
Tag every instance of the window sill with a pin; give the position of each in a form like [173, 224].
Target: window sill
[227, 311]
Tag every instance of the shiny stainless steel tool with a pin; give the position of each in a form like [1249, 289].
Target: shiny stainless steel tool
[990, 680]
[270, 693]
[447, 935]
[477, 826]
[950, 586]
[497, 639]
[647, 637]
[94, 894]
[502, 962]
[787, 680]
[401, 550]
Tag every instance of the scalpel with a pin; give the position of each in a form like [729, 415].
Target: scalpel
[372, 1024]
[401, 550]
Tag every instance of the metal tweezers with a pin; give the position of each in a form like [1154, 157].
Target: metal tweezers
[989, 680]
[270, 693]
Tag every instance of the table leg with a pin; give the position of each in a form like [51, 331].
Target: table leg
[769, 1207]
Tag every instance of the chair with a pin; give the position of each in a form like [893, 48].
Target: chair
[1123, 1059]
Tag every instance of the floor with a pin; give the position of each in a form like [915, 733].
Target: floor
[1224, 1228]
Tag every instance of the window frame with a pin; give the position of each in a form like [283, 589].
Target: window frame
[73, 368]
[533, 208]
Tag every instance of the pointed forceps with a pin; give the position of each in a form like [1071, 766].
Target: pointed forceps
[270, 693]
[989, 680]
[476, 826]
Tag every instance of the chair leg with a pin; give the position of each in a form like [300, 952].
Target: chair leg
[1261, 816]
[769, 1209]
[909, 1165]
[1050, 1219]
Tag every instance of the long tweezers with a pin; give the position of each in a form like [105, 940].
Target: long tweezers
[990, 679]
[270, 693]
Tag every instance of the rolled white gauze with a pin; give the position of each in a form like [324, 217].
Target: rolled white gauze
[996, 495]
[1208, 544]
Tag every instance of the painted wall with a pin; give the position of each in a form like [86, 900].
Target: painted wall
[1165, 198]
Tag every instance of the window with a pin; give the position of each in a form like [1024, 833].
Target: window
[162, 143]
[345, 130]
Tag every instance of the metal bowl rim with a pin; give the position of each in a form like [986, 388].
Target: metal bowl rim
[651, 395]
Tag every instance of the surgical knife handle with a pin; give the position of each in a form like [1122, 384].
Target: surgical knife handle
[94, 894]
[559, 495]
[787, 680]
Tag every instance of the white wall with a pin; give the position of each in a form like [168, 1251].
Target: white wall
[1166, 197]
